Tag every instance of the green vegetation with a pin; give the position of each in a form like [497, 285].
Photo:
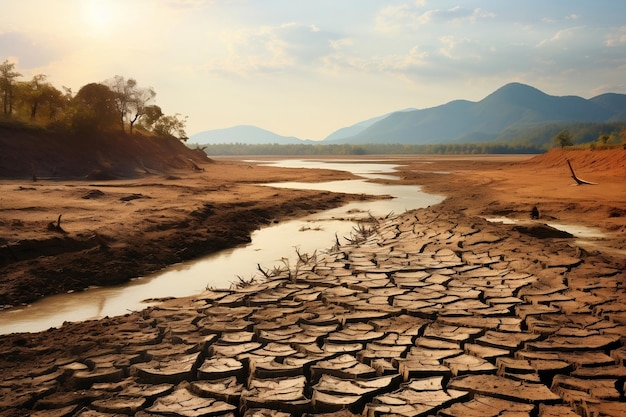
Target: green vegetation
[534, 140]
[369, 149]
[117, 104]
[563, 139]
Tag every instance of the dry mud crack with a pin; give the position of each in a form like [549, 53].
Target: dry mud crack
[436, 314]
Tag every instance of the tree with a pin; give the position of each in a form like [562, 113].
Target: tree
[139, 103]
[7, 77]
[38, 92]
[56, 101]
[131, 100]
[152, 114]
[94, 108]
[171, 126]
[563, 139]
[606, 139]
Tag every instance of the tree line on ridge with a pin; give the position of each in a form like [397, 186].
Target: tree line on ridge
[116, 104]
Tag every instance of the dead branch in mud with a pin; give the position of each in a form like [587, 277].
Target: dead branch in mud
[266, 274]
[56, 227]
[578, 180]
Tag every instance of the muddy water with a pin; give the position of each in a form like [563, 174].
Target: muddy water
[271, 246]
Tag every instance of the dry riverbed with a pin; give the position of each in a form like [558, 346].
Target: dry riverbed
[437, 312]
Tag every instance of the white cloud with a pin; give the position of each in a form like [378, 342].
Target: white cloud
[449, 46]
[617, 37]
[395, 18]
[266, 49]
[562, 37]
[482, 14]
[412, 61]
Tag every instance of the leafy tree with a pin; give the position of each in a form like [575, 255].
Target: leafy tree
[37, 93]
[152, 114]
[56, 100]
[131, 100]
[605, 139]
[7, 77]
[139, 103]
[563, 139]
[94, 108]
[171, 126]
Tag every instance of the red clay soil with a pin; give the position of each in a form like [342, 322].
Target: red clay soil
[494, 186]
[599, 163]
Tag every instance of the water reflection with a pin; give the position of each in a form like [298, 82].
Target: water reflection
[366, 169]
[576, 230]
[270, 246]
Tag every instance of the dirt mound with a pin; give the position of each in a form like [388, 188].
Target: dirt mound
[28, 152]
[611, 161]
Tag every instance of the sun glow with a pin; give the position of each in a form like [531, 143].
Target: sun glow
[98, 15]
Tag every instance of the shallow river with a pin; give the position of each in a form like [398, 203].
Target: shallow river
[269, 247]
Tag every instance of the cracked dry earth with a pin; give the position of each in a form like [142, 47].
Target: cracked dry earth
[435, 314]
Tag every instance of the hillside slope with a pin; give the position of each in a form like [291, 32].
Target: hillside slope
[30, 152]
[346, 132]
[611, 162]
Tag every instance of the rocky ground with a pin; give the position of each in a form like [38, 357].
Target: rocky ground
[431, 312]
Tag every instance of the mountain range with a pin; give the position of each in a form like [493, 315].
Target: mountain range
[513, 107]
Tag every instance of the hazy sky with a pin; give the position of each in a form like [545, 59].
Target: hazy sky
[308, 67]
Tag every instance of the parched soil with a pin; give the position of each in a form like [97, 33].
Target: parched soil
[439, 312]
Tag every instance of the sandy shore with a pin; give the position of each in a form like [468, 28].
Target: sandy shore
[483, 317]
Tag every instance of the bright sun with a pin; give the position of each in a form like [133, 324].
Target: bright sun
[98, 15]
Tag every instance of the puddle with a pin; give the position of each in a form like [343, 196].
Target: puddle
[579, 231]
[583, 232]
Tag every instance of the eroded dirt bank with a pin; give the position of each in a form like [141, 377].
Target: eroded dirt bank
[112, 231]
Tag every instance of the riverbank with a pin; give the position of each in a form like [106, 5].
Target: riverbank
[59, 236]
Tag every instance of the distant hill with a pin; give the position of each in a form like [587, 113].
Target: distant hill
[513, 107]
[243, 134]
[346, 132]
[613, 102]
